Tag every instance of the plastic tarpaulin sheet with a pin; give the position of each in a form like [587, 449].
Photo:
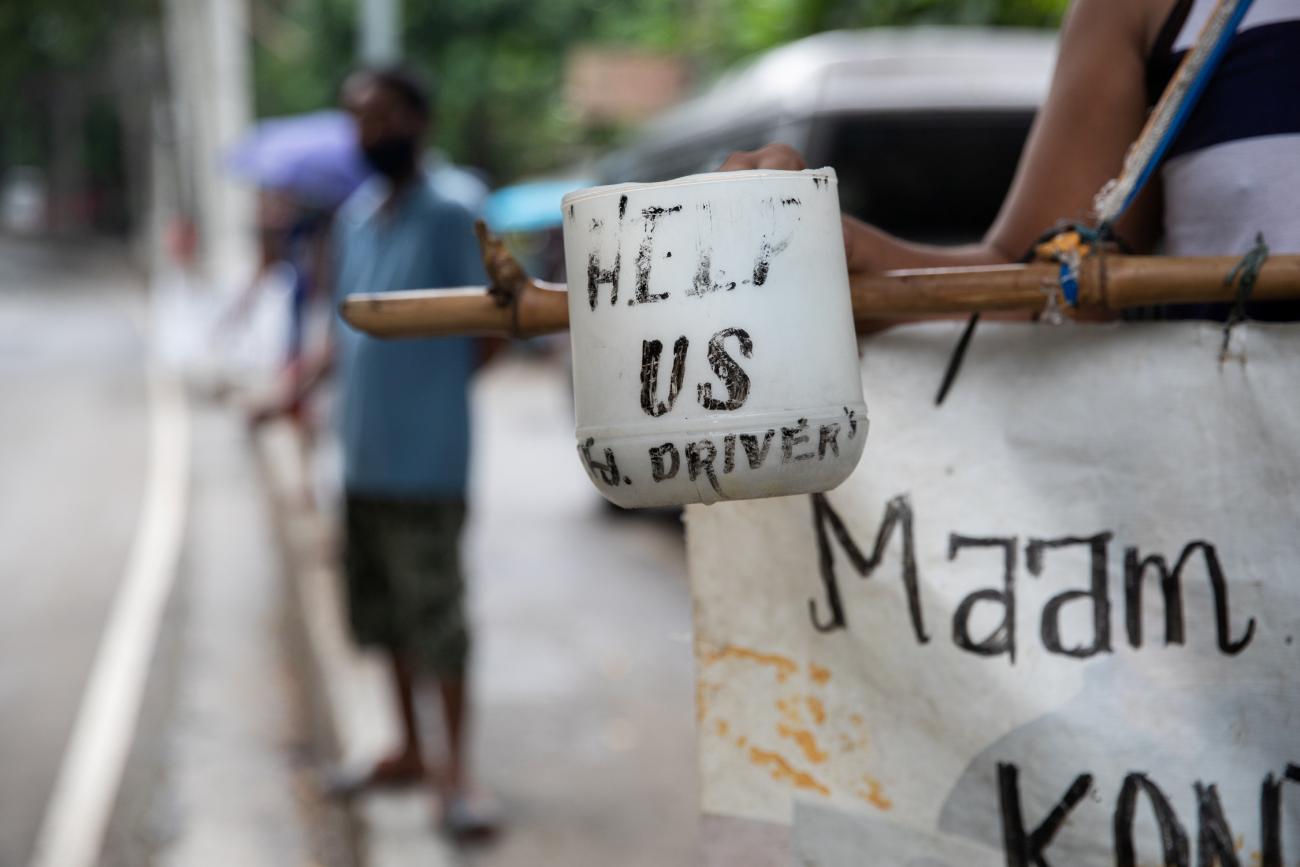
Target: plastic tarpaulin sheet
[1054, 621]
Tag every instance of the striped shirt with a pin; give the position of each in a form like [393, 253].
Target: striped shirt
[1234, 169]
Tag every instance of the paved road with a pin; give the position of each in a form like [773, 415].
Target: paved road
[587, 717]
[217, 765]
[73, 407]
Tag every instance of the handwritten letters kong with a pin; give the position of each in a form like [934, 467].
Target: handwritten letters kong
[1056, 622]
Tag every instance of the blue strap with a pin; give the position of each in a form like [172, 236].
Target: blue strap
[1185, 107]
[1069, 280]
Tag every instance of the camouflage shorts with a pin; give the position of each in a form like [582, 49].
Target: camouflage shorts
[404, 587]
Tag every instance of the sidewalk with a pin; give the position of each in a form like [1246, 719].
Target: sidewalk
[584, 711]
[219, 770]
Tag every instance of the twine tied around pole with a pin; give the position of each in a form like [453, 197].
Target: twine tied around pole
[1243, 275]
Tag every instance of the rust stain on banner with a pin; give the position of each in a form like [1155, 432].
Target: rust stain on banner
[874, 794]
[704, 694]
[783, 664]
[789, 710]
[809, 732]
[817, 709]
[806, 742]
[784, 771]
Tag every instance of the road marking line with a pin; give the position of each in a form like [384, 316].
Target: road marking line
[76, 817]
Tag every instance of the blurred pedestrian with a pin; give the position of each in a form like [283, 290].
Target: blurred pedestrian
[292, 235]
[404, 419]
[460, 184]
[304, 166]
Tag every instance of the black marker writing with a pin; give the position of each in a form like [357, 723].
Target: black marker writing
[753, 452]
[1003, 638]
[829, 527]
[1098, 593]
[597, 277]
[644, 256]
[700, 456]
[651, 350]
[1026, 848]
[792, 437]
[657, 471]
[1135, 569]
[733, 376]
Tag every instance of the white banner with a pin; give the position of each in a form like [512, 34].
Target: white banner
[1055, 621]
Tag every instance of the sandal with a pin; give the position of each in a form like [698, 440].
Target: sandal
[471, 818]
[392, 772]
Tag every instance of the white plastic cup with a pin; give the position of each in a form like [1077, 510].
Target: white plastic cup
[714, 354]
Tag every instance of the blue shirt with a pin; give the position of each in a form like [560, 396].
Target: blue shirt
[404, 407]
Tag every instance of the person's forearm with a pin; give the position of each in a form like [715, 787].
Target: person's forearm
[314, 370]
[301, 381]
[871, 250]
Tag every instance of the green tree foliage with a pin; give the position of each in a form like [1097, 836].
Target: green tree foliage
[39, 40]
[500, 63]
[43, 36]
[48, 50]
[301, 51]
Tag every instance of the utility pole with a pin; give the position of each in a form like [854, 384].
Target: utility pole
[379, 25]
[208, 58]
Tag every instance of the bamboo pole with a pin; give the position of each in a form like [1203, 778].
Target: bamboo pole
[539, 309]
[517, 306]
[1105, 283]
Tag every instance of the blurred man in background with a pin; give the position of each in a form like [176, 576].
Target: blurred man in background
[404, 419]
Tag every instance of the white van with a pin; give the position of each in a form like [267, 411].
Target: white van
[924, 126]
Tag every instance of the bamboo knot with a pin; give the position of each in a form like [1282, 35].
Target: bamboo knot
[507, 279]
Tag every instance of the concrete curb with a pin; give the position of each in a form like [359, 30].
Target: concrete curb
[394, 829]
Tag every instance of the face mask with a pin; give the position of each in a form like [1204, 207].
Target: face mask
[391, 157]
